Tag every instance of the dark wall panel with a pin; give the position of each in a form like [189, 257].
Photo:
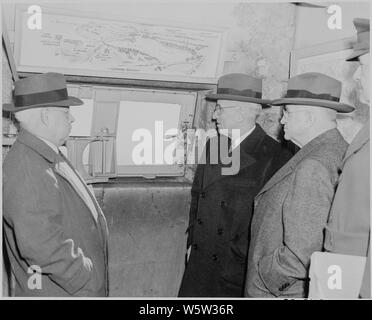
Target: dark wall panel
[147, 243]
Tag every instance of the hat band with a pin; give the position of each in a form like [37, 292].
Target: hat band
[40, 98]
[244, 93]
[309, 95]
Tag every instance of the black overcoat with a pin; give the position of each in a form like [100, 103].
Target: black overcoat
[220, 216]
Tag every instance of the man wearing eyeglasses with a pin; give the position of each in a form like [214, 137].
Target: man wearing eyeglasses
[222, 204]
[292, 209]
[55, 233]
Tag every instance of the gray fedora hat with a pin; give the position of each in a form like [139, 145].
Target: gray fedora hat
[314, 89]
[43, 90]
[239, 87]
[362, 45]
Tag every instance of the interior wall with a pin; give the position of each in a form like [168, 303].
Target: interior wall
[312, 32]
[147, 221]
[312, 28]
[259, 35]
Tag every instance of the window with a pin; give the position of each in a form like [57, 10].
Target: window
[129, 132]
[147, 130]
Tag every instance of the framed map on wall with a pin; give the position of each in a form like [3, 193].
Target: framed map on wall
[89, 45]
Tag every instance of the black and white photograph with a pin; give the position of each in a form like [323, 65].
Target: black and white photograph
[185, 150]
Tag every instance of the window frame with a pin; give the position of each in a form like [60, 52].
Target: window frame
[113, 94]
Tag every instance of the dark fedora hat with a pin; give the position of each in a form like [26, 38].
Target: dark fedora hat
[239, 87]
[43, 90]
[314, 89]
[362, 45]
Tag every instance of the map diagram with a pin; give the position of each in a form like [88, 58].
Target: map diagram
[122, 47]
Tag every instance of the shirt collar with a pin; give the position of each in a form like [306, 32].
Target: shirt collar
[239, 140]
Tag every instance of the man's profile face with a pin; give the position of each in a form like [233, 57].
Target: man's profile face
[361, 76]
[228, 113]
[294, 121]
[59, 124]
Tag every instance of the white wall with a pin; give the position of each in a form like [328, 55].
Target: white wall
[312, 28]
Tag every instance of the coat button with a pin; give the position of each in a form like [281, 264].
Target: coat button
[222, 204]
[203, 195]
[199, 221]
[220, 231]
[214, 257]
[195, 246]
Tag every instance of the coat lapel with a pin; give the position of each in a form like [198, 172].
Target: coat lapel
[246, 153]
[279, 175]
[50, 155]
[212, 171]
[98, 214]
[290, 166]
[61, 168]
[101, 220]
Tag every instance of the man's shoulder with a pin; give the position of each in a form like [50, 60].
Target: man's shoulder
[20, 158]
[327, 157]
[330, 152]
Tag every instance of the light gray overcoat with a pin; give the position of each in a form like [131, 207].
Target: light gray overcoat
[348, 229]
[290, 214]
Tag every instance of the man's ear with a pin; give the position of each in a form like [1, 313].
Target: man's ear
[44, 116]
[240, 114]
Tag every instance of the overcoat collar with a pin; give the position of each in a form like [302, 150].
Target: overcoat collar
[27, 138]
[247, 148]
[325, 137]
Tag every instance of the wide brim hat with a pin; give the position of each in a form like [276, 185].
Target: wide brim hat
[38, 91]
[314, 89]
[239, 87]
[362, 44]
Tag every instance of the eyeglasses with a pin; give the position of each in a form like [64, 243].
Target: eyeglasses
[218, 108]
[287, 113]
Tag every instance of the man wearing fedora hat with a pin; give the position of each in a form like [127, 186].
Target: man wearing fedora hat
[292, 209]
[221, 205]
[55, 233]
[348, 229]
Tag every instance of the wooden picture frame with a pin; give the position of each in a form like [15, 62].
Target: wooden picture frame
[83, 44]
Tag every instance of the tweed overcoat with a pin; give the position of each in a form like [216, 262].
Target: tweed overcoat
[291, 212]
[47, 224]
[348, 229]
